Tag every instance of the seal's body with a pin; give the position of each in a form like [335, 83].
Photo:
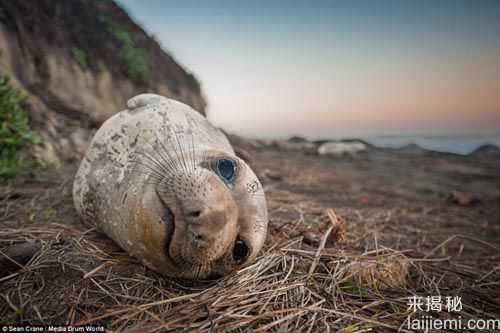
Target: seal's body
[165, 184]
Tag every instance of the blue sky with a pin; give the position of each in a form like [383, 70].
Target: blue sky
[337, 68]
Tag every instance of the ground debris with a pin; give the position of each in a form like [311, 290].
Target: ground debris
[87, 280]
[339, 232]
[462, 198]
[400, 243]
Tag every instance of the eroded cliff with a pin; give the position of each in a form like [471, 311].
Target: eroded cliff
[78, 62]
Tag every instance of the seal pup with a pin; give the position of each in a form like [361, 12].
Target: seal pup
[166, 185]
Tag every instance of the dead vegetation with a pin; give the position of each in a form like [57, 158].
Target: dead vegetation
[348, 269]
[79, 277]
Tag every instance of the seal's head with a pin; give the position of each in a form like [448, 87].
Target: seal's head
[213, 216]
[165, 185]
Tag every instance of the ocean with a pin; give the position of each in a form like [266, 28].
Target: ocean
[450, 144]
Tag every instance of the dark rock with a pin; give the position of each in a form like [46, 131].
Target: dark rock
[487, 149]
[462, 199]
[271, 175]
[297, 139]
[16, 256]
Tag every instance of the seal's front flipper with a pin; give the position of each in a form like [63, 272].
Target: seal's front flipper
[145, 99]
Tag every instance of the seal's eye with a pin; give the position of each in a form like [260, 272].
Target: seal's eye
[226, 169]
[240, 250]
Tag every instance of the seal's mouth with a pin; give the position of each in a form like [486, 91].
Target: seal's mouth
[169, 220]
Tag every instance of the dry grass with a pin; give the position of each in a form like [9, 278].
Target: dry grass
[80, 277]
[312, 276]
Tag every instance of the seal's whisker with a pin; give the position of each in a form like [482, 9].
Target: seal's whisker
[249, 195]
[193, 157]
[203, 156]
[151, 175]
[182, 152]
[184, 147]
[168, 161]
[151, 183]
[187, 149]
[152, 169]
[151, 159]
[165, 166]
[155, 163]
[177, 151]
[142, 167]
[172, 162]
[179, 159]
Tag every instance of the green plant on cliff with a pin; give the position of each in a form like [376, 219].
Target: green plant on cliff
[79, 56]
[15, 132]
[134, 58]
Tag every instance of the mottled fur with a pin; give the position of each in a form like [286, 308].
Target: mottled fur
[148, 181]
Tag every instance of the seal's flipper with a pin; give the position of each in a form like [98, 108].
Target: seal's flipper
[144, 99]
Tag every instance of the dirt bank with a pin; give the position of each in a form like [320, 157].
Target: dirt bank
[78, 62]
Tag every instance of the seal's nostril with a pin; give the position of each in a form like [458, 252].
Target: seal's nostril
[195, 213]
[240, 251]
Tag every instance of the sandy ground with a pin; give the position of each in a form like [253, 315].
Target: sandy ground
[440, 204]
[427, 197]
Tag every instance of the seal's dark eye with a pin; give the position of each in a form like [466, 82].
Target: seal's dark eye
[226, 169]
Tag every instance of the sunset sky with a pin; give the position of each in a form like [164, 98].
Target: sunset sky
[337, 68]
